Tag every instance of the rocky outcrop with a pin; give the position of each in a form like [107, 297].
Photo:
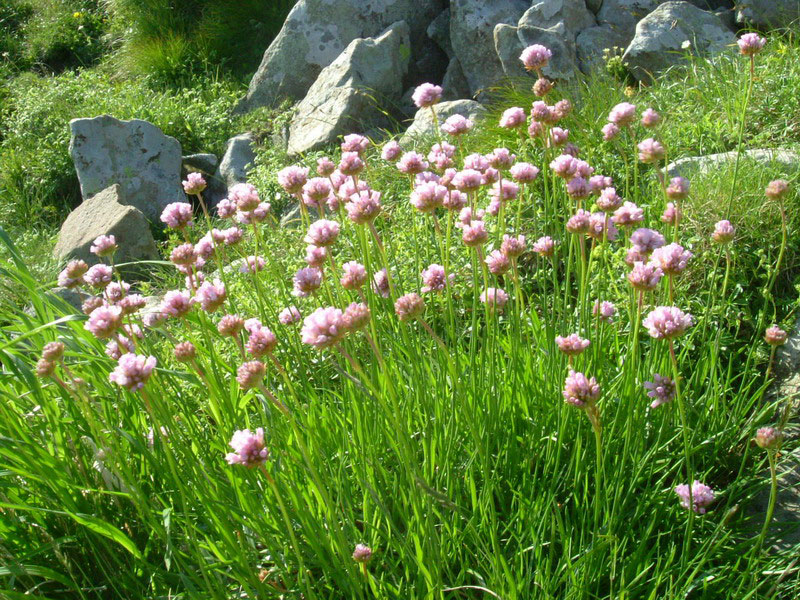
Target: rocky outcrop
[767, 13]
[454, 84]
[316, 32]
[201, 163]
[423, 125]
[662, 36]
[106, 213]
[238, 160]
[784, 160]
[591, 42]
[134, 154]
[343, 98]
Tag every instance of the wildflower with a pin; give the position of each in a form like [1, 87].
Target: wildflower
[427, 197]
[53, 351]
[316, 190]
[580, 390]
[769, 438]
[351, 163]
[261, 342]
[132, 303]
[474, 234]
[354, 142]
[497, 262]
[646, 240]
[307, 281]
[702, 496]
[672, 258]
[355, 275]
[412, 163]
[380, 283]
[250, 374]
[467, 180]
[600, 226]
[248, 448]
[542, 87]
[225, 209]
[564, 166]
[751, 44]
[104, 245]
[72, 275]
[723, 232]
[183, 255]
[409, 307]
[98, 276]
[289, 315]
[579, 222]
[91, 303]
[582, 168]
[454, 200]
[501, 158]
[777, 189]
[324, 328]
[634, 255]
[116, 348]
[667, 322]
[678, 188]
[494, 298]
[535, 57]
[233, 235]
[610, 131]
[434, 279]
[578, 188]
[177, 215]
[356, 316]
[628, 214]
[364, 207]
[104, 321]
[456, 125]
[252, 264]
[651, 151]
[185, 352]
[194, 184]
[661, 389]
[322, 233]
[292, 179]
[598, 183]
[513, 117]
[775, 336]
[623, 114]
[545, 246]
[476, 162]
[535, 129]
[45, 368]
[605, 311]
[211, 295]
[230, 325]
[176, 303]
[503, 191]
[523, 172]
[426, 95]
[513, 247]
[362, 553]
[645, 277]
[650, 118]
[391, 151]
[609, 201]
[562, 108]
[671, 214]
[572, 345]
[133, 371]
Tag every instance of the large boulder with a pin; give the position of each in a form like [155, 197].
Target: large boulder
[238, 160]
[768, 13]
[135, 154]
[423, 125]
[472, 24]
[454, 84]
[591, 43]
[317, 31]
[439, 32]
[549, 13]
[511, 41]
[623, 15]
[661, 37]
[106, 213]
[343, 98]
[783, 160]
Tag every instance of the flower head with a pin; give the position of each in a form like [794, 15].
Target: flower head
[775, 336]
[307, 281]
[456, 125]
[564, 166]
[580, 390]
[351, 163]
[513, 247]
[324, 328]
[545, 246]
[661, 389]
[355, 275]
[678, 188]
[194, 184]
[535, 57]
[474, 234]
[671, 214]
[230, 325]
[572, 345]
[542, 87]
[610, 131]
[751, 44]
[523, 172]
[769, 438]
[702, 496]
[777, 189]
[645, 276]
[355, 142]
[651, 151]
[628, 214]
[497, 262]
[261, 342]
[98, 276]
[176, 303]
[427, 197]
[426, 95]
[467, 180]
[608, 201]
[325, 166]
[356, 316]
[322, 233]
[362, 553]
[133, 371]
[667, 322]
[412, 163]
[185, 352]
[409, 307]
[623, 114]
[434, 279]
[248, 448]
[104, 321]
[293, 178]
[513, 117]
[650, 118]
[579, 222]
[494, 298]
[604, 310]
[250, 374]
[672, 258]
[177, 215]
[646, 240]
[391, 151]
[211, 295]
[104, 245]
[289, 315]
[723, 232]
[380, 283]
[364, 207]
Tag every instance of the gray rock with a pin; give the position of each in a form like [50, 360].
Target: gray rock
[72, 297]
[472, 24]
[659, 39]
[423, 124]
[455, 85]
[317, 31]
[238, 159]
[549, 13]
[594, 5]
[511, 41]
[508, 47]
[135, 154]
[767, 13]
[439, 32]
[623, 15]
[343, 99]
[429, 66]
[202, 163]
[591, 42]
[786, 161]
[106, 214]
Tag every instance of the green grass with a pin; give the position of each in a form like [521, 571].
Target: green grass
[457, 461]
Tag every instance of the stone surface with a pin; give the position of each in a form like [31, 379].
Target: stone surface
[767, 13]
[549, 13]
[623, 15]
[202, 163]
[787, 160]
[511, 41]
[315, 34]
[472, 24]
[238, 159]
[455, 84]
[106, 213]
[591, 42]
[659, 39]
[343, 99]
[135, 154]
[439, 32]
[423, 121]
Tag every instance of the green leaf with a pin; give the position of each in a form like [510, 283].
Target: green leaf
[107, 530]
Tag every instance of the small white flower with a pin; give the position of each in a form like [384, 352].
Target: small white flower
[686, 45]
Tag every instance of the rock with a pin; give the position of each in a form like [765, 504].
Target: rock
[454, 85]
[511, 41]
[767, 13]
[594, 5]
[439, 32]
[785, 160]
[659, 39]
[508, 47]
[472, 24]
[135, 154]
[342, 100]
[623, 15]
[423, 121]
[591, 42]
[73, 297]
[315, 34]
[202, 163]
[429, 67]
[106, 213]
[549, 13]
[238, 159]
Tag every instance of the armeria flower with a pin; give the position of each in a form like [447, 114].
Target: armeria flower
[289, 315]
[572, 345]
[426, 95]
[248, 448]
[53, 351]
[261, 342]
[132, 303]
[364, 207]
[579, 222]
[91, 303]
[723, 232]
[578, 188]
[523, 172]
[628, 215]
[454, 200]
[667, 322]
[751, 44]
[651, 151]
[634, 255]
[233, 235]
[623, 114]
[176, 303]
[194, 184]
[702, 496]
[513, 117]
[580, 390]
[412, 163]
[230, 325]
[250, 374]
[661, 389]
[104, 245]
[535, 57]
[542, 87]
[513, 247]
[557, 137]
[562, 108]
[225, 209]
[177, 215]
[409, 307]
[183, 255]
[356, 316]
[380, 283]
[678, 188]
[316, 190]
[116, 291]
[535, 128]
[504, 190]
[133, 371]
[600, 227]
[348, 188]
[252, 264]
[117, 347]
[98, 276]
[322, 233]
[355, 275]
[477, 162]
[672, 258]
[325, 166]
[307, 281]
[545, 246]
[292, 179]
[354, 142]
[45, 368]
[608, 201]
[777, 189]
[456, 125]
[72, 275]
[427, 197]
[362, 553]
[582, 168]
[564, 166]
[211, 295]
[598, 183]
[775, 336]
[645, 277]
[494, 298]
[650, 118]
[497, 262]
[351, 164]
[467, 180]
[501, 158]
[324, 328]
[474, 234]
[185, 352]
[610, 131]
[769, 438]
[646, 240]
[465, 216]
[434, 279]
[391, 151]
[605, 311]
[671, 214]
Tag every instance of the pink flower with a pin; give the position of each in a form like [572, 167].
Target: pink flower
[723, 232]
[523, 172]
[185, 352]
[289, 315]
[316, 190]
[467, 180]
[426, 95]
[434, 279]
[364, 207]
[578, 188]
[609, 201]
[672, 258]
[322, 233]
[133, 371]
[579, 222]
[354, 142]
[427, 197]
[323, 328]
[558, 137]
[600, 226]
[476, 162]
[307, 281]
[380, 283]
[562, 108]
[542, 87]
[183, 255]
[598, 183]
[645, 277]
[292, 179]
[545, 246]
[513, 117]
[244, 196]
[391, 151]
[355, 275]
[678, 188]
[777, 189]
[351, 163]
[362, 553]
[651, 151]
[671, 214]
[177, 215]
[456, 125]
[702, 496]
[572, 345]
[564, 166]
[250, 374]
[176, 303]
[409, 307]
[501, 158]
[775, 336]
[252, 264]
[535, 129]
[116, 291]
[325, 167]
[412, 163]
[513, 247]
[667, 322]
[627, 215]
[193, 184]
[226, 209]
[661, 389]
[232, 236]
[623, 114]
[582, 168]
[494, 298]
[610, 131]
[132, 303]
[72, 275]
[261, 342]
[356, 316]
[580, 390]
[454, 200]
[646, 240]
[248, 448]
[606, 311]
[751, 44]
[104, 245]
[497, 262]
[98, 276]
[211, 295]
[474, 234]
[650, 118]
[104, 321]
[535, 57]
[769, 438]
[504, 190]
[53, 351]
